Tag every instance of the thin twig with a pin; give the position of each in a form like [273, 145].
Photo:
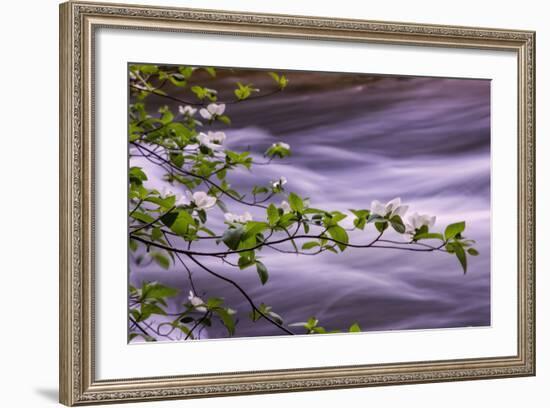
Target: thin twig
[243, 292]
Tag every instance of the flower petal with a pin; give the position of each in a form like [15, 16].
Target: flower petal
[205, 114]
[376, 207]
[393, 204]
[401, 210]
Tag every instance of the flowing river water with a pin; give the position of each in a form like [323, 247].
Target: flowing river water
[357, 138]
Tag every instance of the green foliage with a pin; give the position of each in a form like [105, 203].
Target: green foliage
[137, 176]
[310, 245]
[204, 93]
[266, 310]
[262, 272]
[278, 150]
[244, 91]
[361, 217]
[453, 230]
[354, 328]
[232, 237]
[281, 80]
[161, 259]
[296, 202]
[429, 235]
[272, 215]
[397, 224]
[340, 235]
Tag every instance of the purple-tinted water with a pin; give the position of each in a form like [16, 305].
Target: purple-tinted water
[425, 140]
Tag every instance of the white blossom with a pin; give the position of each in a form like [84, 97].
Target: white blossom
[390, 209]
[212, 110]
[285, 206]
[187, 110]
[182, 200]
[281, 144]
[279, 183]
[202, 200]
[197, 302]
[212, 140]
[416, 221]
[229, 217]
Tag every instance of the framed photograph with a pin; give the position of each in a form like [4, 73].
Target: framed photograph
[260, 203]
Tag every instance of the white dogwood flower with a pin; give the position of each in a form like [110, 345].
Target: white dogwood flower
[212, 140]
[187, 110]
[212, 110]
[243, 219]
[281, 144]
[279, 183]
[202, 200]
[390, 209]
[197, 302]
[417, 221]
[285, 206]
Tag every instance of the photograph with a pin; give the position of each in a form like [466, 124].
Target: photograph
[268, 202]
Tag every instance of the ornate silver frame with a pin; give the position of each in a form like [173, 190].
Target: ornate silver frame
[78, 21]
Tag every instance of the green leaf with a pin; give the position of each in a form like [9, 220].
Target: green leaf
[339, 234]
[461, 255]
[243, 91]
[253, 228]
[214, 302]
[262, 272]
[167, 115]
[156, 234]
[177, 79]
[275, 76]
[168, 219]
[376, 218]
[354, 328]
[148, 69]
[361, 218]
[381, 226]
[397, 224]
[147, 309]
[429, 235]
[232, 237]
[133, 244]
[159, 291]
[177, 159]
[245, 261]
[473, 251]
[224, 119]
[136, 175]
[227, 320]
[360, 223]
[272, 215]
[296, 202]
[310, 244]
[161, 259]
[337, 216]
[180, 223]
[211, 71]
[453, 230]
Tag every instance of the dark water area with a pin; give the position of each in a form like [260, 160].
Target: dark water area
[358, 138]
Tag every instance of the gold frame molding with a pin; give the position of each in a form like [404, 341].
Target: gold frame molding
[78, 22]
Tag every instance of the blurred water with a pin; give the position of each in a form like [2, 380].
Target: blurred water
[425, 140]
